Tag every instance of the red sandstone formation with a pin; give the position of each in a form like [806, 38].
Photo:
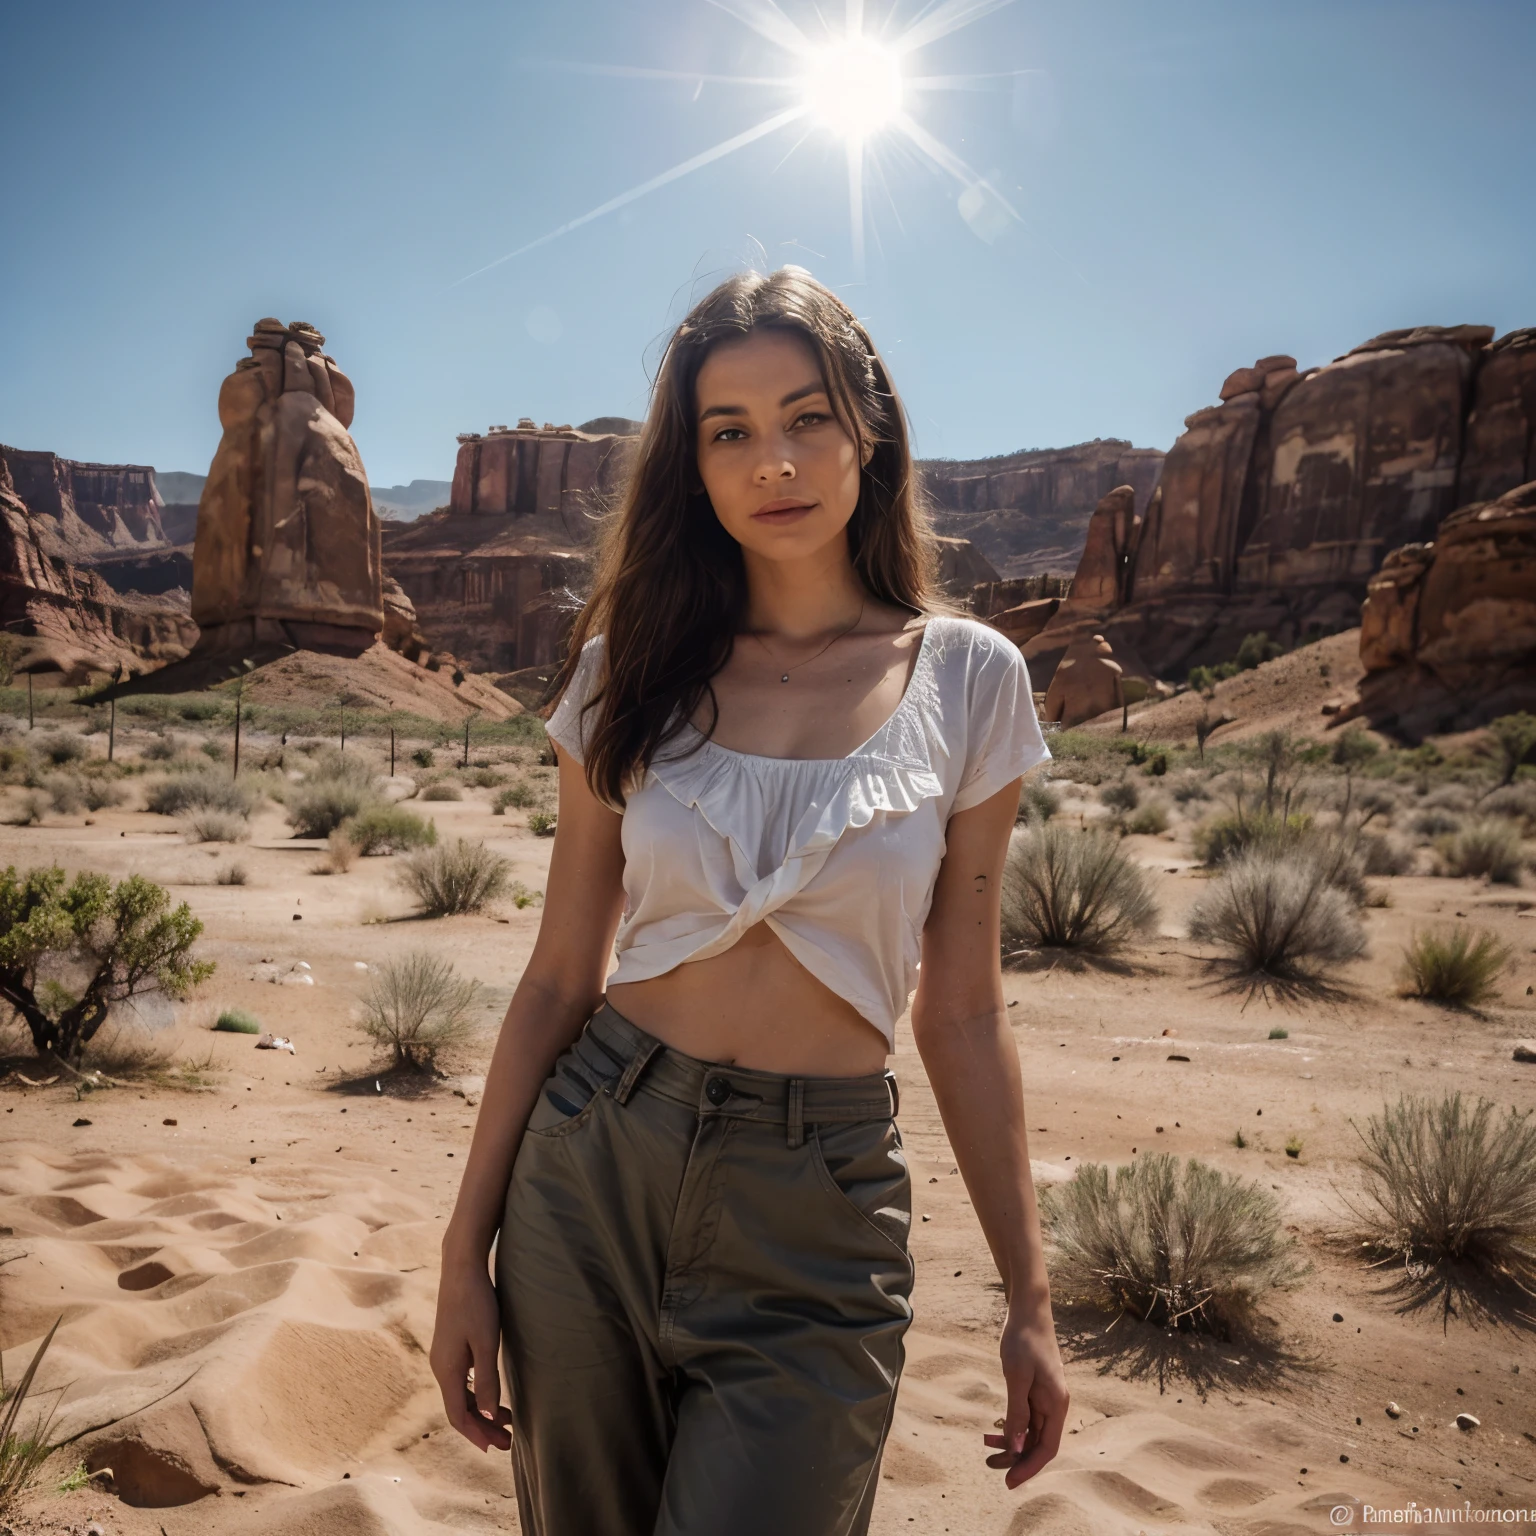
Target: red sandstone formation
[84, 509]
[1448, 630]
[68, 617]
[1275, 507]
[1085, 684]
[1028, 512]
[287, 545]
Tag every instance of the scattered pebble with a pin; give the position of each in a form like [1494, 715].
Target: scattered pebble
[1338, 1317]
[1467, 1421]
[1393, 1411]
[167, 1121]
[82, 1121]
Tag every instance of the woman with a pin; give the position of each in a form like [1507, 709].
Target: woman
[785, 779]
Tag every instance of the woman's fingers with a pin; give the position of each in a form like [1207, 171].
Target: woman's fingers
[1048, 1420]
[487, 1395]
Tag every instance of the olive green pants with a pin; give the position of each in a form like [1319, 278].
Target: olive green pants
[704, 1284]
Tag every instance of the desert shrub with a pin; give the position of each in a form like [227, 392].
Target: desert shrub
[340, 853]
[236, 1021]
[1069, 889]
[183, 793]
[1449, 797]
[1449, 1185]
[459, 876]
[1227, 836]
[209, 825]
[422, 757]
[23, 1450]
[1255, 650]
[1204, 679]
[542, 824]
[1187, 788]
[388, 829]
[1515, 802]
[1384, 853]
[334, 790]
[1433, 821]
[66, 791]
[1278, 921]
[99, 793]
[1339, 854]
[63, 747]
[233, 873]
[417, 1007]
[442, 790]
[1373, 800]
[484, 778]
[161, 750]
[1459, 967]
[30, 809]
[1189, 1249]
[1150, 819]
[1121, 796]
[214, 749]
[519, 795]
[1515, 737]
[1490, 848]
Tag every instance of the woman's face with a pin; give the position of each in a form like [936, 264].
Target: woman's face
[781, 470]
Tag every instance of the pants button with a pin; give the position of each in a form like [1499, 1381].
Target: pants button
[717, 1090]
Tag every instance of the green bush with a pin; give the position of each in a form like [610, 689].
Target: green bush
[1490, 847]
[1189, 1249]
[63, 747]
[455, 877]
[388, 829]
[442, 790]
[1231, 834]
[417, 1007]
[422, 757]
[336, 789]
[1460, 967]
[1255, 650]
[199, 791]
[1069, 889]
[483, 778]
[1278, 921]
[1040, 801]
[541, 824]
[517, 796]
[236, 1021]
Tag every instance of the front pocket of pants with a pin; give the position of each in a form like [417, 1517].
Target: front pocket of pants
[570, 1093]
[862, 1165]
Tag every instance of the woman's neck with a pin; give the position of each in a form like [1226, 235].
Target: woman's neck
[803, 599]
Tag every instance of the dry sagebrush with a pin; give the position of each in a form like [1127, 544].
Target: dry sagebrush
[1190, 1249]
[1069, 889]
[418, 1007]
[455, 877]
[1459, 967]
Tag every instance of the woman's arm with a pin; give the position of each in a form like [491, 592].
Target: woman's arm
[560, 988]
[960, 1024]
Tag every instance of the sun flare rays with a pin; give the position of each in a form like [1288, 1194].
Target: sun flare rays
[848, 84]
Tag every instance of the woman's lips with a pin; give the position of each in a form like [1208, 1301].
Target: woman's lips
[782, 511]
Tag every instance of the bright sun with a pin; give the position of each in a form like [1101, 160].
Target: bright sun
[853, 87]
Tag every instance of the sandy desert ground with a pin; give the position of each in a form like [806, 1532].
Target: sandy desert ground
[246, 1266]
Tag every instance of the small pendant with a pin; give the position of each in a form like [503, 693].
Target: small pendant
[785, 678]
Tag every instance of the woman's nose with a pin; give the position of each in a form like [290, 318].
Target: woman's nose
[775, 467]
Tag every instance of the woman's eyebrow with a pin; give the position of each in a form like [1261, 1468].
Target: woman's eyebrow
[804, 392]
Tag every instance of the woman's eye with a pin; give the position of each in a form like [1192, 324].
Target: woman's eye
[729, 435]
[811, 418]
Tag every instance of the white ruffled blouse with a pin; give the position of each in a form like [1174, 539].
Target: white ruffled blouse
[837, 855]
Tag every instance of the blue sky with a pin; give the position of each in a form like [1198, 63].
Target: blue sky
[1198, 184]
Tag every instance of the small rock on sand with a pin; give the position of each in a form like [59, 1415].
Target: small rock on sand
[1525, 1050]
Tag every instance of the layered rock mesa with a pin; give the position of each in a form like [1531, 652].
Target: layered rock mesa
[1274, 508]
[86, 509]
[1448, 630]
[1028, 512]
[287, 549]
[493, 577]
[67, 618]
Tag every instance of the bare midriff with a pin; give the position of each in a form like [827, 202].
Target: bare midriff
[754, 1006]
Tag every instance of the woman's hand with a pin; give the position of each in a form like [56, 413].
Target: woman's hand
[1037, 1394]
[468, 1334]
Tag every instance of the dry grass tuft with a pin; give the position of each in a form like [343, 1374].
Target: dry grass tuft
[418, 1007]
[1489, 848]
[209, 825]
[1188, 1249]
[1280, 922]
[1069, 889]
[22, 1452]
[1461, 967]
[455, 877]
[1450, 1193]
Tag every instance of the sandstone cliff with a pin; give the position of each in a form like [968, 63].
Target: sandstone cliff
[1275, 508]
[1028, 512]
[85, 509]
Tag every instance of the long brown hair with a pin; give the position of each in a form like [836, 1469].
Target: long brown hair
[670, 587]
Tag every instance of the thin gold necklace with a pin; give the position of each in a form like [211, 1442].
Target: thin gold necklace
[822, 652]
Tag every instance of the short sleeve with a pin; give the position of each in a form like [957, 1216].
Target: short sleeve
[1003, 736]
[569, 728]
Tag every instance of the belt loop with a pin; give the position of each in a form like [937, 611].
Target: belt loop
[637, 1064]
[895, 1086]
[796, 1111]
